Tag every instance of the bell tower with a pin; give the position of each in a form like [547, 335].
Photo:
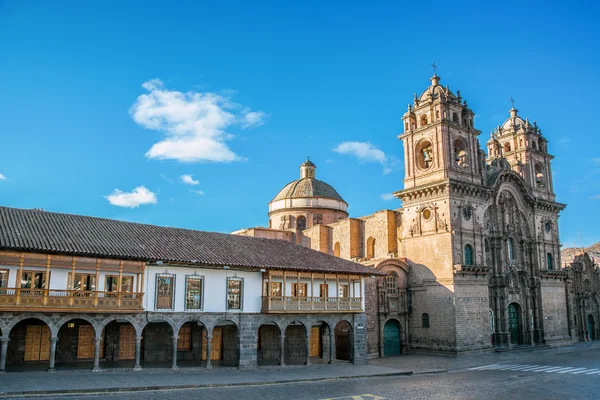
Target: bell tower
[440, 140]
[526, 150]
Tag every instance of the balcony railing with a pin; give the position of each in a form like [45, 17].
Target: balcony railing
[20, 298]
[284, 304]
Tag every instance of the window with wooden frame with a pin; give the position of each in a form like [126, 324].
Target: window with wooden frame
[3, 278]
[83, 282]
[165, 291]
[235, 288]
[344, 292]
[390, 283]
[184, 341]
[276, 289]
[194, 290]
[33, 280]
[299, 289]
[324, 290]
[111, 284]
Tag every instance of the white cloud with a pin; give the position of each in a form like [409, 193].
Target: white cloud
[2, 177]
[387, 196]
[196, 191]
[365, 152]
[166, 178]
[195, 124]
[595, 197]
[189, 180]
[140, 195]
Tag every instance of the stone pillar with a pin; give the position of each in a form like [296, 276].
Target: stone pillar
[96, 354]
[138, 350]
[208, 340]
[282, 349]
[331, 346]
[53, 341]
[174, 364]
[307, 346]
[247, 342]
[358, 340]
[3, 350]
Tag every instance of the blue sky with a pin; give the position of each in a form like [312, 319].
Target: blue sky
[124, 98]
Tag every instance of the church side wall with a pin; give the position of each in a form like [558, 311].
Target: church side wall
[554, 304]
[473, 328]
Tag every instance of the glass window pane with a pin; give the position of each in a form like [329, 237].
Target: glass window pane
[127, 284]
[193, 295]
[234, 293]
[3, 278]
[165, 285]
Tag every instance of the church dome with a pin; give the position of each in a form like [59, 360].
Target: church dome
[308, 187]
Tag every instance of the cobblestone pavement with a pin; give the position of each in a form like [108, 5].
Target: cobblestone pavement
[476, 376]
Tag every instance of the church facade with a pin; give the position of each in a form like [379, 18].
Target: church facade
[472, 258]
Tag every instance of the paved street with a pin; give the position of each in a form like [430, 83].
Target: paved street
[565, 373]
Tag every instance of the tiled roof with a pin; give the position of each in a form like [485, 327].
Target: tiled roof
[48, 232]
[308, 187]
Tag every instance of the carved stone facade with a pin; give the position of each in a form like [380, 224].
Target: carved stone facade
[473, 255]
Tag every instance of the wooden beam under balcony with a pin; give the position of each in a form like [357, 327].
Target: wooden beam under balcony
[50, 300]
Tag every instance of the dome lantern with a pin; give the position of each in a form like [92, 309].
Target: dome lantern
[307, 169]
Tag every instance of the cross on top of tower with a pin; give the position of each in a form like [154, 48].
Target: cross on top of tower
[434, 67]
[512, 101]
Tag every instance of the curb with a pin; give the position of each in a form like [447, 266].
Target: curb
[70, 392]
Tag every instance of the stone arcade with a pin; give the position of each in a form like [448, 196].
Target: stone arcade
[111, 293]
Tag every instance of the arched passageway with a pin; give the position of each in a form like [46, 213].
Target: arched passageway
[268, 344]
[343, 341]
[295, 344]
[157, 344]
[515, 324]
[29, 346]
[319, 342]
[189, 344]
[223, 347]
[392, 339]
[76, 343]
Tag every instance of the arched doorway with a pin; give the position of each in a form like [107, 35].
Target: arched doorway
[268, 349]
[189, 344]
[224, 349]
[295, 343]
[391, 339]
[591, 327]
[76, 343]
[343, 341]
[319, 342]
[29, 346]
[514, 323]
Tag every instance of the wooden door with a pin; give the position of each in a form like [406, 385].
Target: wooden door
[216, 344]
[85, 344]
[315, 341]
[126, 342]
[391, 339]
[37, 343]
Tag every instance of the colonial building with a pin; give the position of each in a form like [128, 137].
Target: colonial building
[472, 258]
[77, 289]
[584, 292]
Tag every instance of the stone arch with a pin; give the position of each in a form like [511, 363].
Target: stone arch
[268, 342]
[217, 322]
[370, 247]
[83, 317]
[188, 318]
[296, 341]
[3, 329]
[41, 317]
[162, 318]
[114, 317]
[337, 249]
[268, 319]
[344, 340]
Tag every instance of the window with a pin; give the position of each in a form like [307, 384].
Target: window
[455, 117]
[425, 320]
[299, 289]
[85, 282]
[370, 247]
[336, 249]
[184, 341]
[194, 287]
[506, 147]
[234, 293]
[276, 289]
[112, 284]
[460, 153]
[3, 278]
[301, 222]
[324, 290]
[468, 255]
[390, 283]
[550, 261]
[33, 280]
[165, 291]
[423, 120]
[344, 291]
[510, 247]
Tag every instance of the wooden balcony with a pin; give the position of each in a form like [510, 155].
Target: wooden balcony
[18, 299]
[289, 304]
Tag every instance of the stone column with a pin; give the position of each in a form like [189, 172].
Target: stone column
[331, 346]
[96, 354]
[53, 341]
[3, 350]
[307, 342]
[174, 364]
[138, 351]
[208, 340]
[282, 349]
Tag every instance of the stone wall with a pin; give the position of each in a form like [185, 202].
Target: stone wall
[473, 329]
[295, 344]
[554, 305]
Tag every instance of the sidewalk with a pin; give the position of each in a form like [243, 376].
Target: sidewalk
[79, 381]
